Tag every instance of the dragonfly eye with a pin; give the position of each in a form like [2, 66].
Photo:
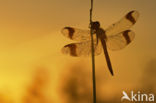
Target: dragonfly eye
[95, 25]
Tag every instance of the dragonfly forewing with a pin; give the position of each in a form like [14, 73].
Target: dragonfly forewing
[76, 34]
[124, 24]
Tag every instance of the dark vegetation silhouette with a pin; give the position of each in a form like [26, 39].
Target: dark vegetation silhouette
[76, 86]
[148, 79]
[36, 91]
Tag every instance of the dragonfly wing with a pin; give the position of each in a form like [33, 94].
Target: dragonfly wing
[81, 49]
[120, 40]
[124, 24]
[76, 34]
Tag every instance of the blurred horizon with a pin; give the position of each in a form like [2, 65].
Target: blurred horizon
[30, 38]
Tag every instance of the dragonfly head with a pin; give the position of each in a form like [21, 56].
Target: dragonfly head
[95, 25]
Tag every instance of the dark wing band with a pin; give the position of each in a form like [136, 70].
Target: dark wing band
[124, 24]
[76, 34]
[120, 40]
[81, 49]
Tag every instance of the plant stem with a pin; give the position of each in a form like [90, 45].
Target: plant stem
[93, 57]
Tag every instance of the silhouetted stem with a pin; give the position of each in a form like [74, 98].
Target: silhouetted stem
[93, 58]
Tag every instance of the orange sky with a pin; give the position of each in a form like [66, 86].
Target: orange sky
[30, 37]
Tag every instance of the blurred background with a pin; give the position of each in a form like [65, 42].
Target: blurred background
[33, 69]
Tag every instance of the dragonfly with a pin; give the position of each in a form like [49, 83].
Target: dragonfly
[116, 37]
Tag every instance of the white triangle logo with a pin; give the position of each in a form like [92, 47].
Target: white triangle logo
[125, 96]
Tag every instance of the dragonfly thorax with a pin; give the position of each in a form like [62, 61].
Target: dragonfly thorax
[100, 33]
[95, 25]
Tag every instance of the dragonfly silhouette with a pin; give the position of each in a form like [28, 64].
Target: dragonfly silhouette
[115, 37]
